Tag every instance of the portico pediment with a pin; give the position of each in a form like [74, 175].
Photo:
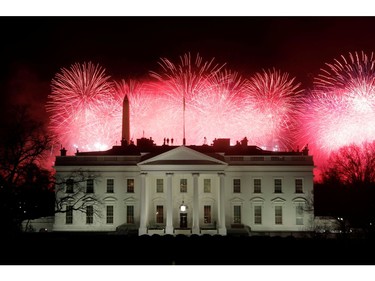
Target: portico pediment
[182, 155]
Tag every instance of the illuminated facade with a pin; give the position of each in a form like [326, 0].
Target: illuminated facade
[208, 189]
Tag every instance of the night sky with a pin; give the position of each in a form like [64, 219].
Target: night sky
[33, 48]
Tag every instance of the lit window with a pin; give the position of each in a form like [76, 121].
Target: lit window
[89, 214]
[278, 186]
[278, 215]
[183, 185]
[236, 185]
[110, 185]
[90, 186]
[236, 214]
[130, 185]
[207, 214]
[257, 185]
[159, 214]
[129, 214]
[299, 185]
[207, 185]
[159, 185]
[257, 214]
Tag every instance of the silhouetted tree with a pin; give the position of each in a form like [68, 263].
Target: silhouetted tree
[24, 148]
[78, 197]
[347, 189]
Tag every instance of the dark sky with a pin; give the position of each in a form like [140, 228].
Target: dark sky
[33, 49]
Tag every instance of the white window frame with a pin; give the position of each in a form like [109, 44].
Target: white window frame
[113, 185]
[159, 186]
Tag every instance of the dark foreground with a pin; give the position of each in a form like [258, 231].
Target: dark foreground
[106, 249]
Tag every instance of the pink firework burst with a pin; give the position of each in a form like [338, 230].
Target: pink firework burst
[340, 110]
[180, 85]
[145, 107]
[80, 105]
[217, 108]
[271, 106]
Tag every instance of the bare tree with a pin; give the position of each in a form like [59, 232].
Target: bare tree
[24, 150]
[72, 190]
[348, 187]
[352, 165]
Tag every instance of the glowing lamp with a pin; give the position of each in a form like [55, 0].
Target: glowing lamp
[183, 207]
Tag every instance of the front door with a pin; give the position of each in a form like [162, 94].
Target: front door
[183, 220]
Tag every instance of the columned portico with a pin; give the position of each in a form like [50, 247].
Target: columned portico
[143, 219]
[222, 227]
[169, 222]
[195, 229]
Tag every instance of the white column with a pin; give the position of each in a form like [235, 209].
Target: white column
[169, 225]
[222, 227]
[195, 229]
[143, 207]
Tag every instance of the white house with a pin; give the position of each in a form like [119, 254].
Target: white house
[188, 190]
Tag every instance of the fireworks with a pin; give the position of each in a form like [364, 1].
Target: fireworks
[272, 104]
[81, 106]
[199, 96]
[340, 110]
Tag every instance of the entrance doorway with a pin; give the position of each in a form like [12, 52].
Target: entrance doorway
[183, 220]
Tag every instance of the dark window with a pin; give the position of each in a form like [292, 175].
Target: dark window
[90, 186]
[278, 186]
[110, 185]
[109, 214]
[236, 185]
[89, 214]
[69, 186]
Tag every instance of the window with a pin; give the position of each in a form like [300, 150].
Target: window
[159, 214]
[89, 214]
[278, 215]
[110, 185]
[109, 214]
[299, 214]
[90, 186]
[69, 186]
[207, 185]
[236, 185]
[183, 185]
[236, 214]
[257, 214]
[130, 185]
[299, 185]
[207, 214]
[159, 185]
[69, 215]
[257, 185]
[278, 186]
[129, 214]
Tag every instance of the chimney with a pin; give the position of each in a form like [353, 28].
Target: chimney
[125, 122]
[63, 151]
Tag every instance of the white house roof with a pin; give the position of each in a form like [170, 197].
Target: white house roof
[182, 158]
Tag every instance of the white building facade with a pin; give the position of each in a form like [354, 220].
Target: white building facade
[191, 190]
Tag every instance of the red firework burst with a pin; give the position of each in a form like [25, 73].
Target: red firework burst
[341, 108]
